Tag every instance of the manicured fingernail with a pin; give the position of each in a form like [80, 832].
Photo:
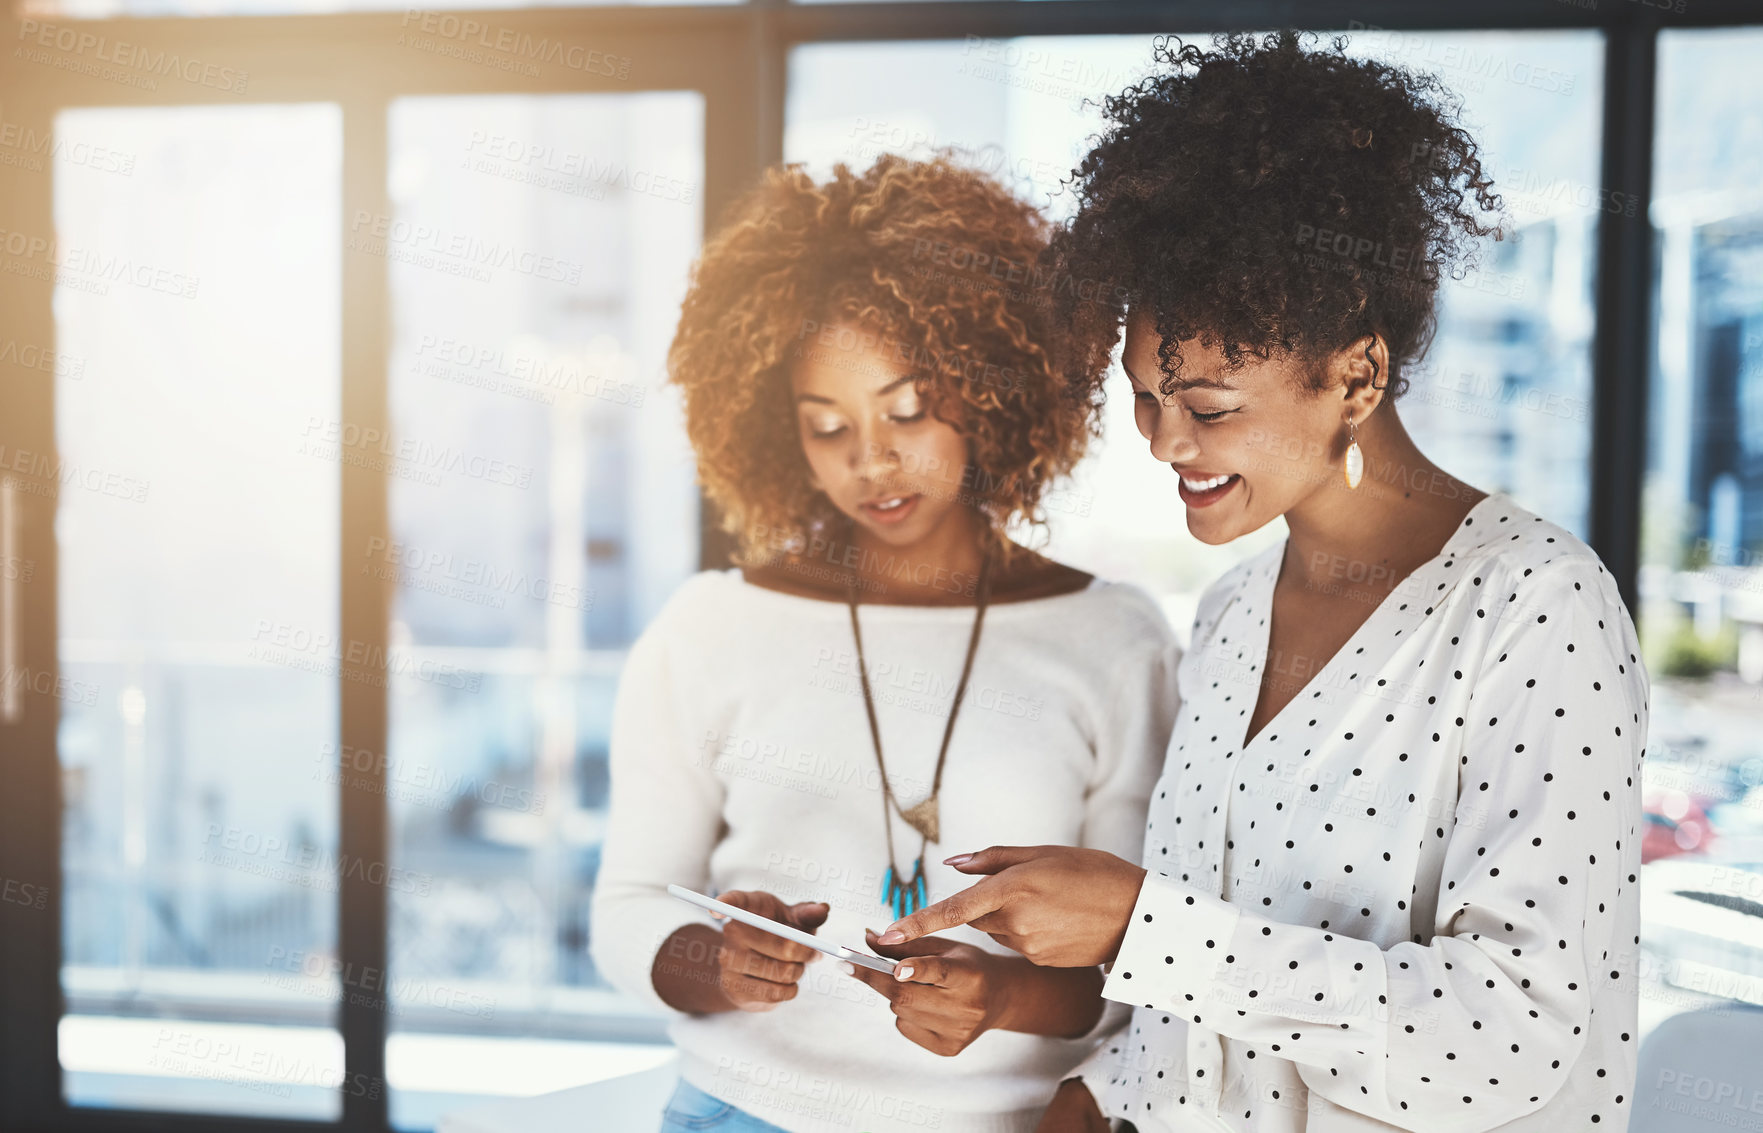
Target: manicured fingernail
[892, 936]
[903, 972]
[850, 969]
[958, 859]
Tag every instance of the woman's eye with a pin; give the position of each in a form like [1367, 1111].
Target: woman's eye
[1208, 418]
[906, 419]
[832, 432]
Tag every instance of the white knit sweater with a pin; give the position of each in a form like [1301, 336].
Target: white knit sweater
[741, 759]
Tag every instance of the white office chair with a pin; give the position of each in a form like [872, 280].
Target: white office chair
[630, 1104]
[1701, 1070]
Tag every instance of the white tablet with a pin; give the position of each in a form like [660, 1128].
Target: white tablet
[777, 928]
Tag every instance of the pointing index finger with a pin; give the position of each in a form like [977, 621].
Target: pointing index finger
[968, 905]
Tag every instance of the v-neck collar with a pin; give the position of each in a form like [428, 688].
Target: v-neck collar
[1405, 602]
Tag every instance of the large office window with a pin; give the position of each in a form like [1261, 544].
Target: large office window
[541, 513]
[338, 472]
[197, 526]
[1702, 550]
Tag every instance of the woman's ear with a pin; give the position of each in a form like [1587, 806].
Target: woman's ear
[1363, 370]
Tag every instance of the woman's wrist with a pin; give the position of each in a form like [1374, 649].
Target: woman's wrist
[1005, 978]
[1057, 1002]
[687, 974]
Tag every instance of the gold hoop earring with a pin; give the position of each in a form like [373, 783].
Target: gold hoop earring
[1355, 462]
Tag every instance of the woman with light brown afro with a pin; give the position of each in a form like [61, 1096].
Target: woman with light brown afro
[872, 406]
[920, 267]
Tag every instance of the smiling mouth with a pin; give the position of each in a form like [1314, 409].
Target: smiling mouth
[1204, 491]
[890, 503]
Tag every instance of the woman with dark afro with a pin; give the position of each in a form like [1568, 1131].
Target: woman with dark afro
[1388, 878]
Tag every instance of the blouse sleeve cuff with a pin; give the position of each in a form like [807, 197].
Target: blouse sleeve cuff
[1174, 940]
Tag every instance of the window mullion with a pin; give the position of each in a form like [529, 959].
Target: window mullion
[365, 631]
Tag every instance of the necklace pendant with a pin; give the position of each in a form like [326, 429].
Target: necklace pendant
[905, 898]
[923, 817]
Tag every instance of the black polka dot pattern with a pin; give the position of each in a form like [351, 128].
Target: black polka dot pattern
[1411, 896]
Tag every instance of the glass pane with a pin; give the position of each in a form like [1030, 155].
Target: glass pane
[1502, 399]
[1702, 535]
[547, 509]
[198, 606]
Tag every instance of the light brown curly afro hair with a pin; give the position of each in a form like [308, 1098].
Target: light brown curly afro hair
[935, 256]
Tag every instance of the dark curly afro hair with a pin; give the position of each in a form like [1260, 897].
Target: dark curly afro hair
[1268, 199]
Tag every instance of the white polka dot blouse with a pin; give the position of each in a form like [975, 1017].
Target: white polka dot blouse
[1411, 899]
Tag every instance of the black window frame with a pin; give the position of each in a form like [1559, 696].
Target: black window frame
[737, 57]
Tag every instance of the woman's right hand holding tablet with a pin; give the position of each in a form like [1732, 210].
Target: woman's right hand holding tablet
[759, 970]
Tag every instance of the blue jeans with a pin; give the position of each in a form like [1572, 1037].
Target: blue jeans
[691, 1110]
